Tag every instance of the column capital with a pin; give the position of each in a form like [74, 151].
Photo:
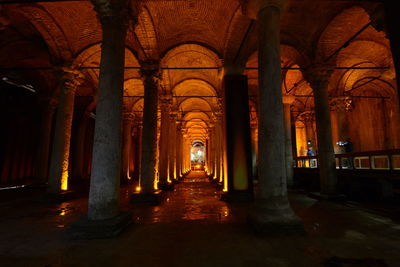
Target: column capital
[318, 75]
[70, 77]
[150, 69]
[344, 103]
[165, 102]
[307, 116]
[121, 11]
[173, 115]
[252, 8]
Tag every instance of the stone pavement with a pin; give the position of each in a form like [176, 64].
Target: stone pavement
[194, 228]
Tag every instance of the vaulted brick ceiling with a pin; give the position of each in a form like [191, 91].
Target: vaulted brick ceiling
[194, 33]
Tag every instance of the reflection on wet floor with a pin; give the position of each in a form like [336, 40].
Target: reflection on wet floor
[192, 227]
[195, 198]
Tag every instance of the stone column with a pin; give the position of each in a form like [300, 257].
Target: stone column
[126, 145]
[165, 106]
[272, 213]
[106, 164]
[59, 164]
[218, 121]
[178, 152]
[186, 152]
[318, 76]
[221, 153]
[287, 101]
[78, 161]
[172, 146]
[240, 180]
[150, 74]
[138, 151]
[392, 25]
[211, 149]
[42, 159]
[254, 148]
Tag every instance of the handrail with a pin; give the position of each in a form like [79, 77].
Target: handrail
[372, 160]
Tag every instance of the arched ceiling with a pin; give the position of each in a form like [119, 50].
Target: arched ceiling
[196, 59]
[194, 34]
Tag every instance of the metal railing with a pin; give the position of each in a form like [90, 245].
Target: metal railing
[388, 160]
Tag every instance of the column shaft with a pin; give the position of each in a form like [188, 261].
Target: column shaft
[272, 212]
[178, 153]
[164, 142]
[106, 164]
[59, 165]
[149, 135]
[172, 147]
[392, 24]
[288, 145]
[238, 133]
[138, 151]
[319, 79]
[126, 146]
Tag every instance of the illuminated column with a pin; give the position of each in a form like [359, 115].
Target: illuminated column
[287, 101]
[138, 150]
[150, 72]
[215, 151]
[211, 150]
[272, 212]
[178, 152]
[78, 156]
[42, 158]
[58, 173]
[218, 121]
[172, 145]
[318, 76]
[220, 167]
[126, 145]
[254, 147]
[106, 164]
[165, 105]
[238, 137]
[186, 150]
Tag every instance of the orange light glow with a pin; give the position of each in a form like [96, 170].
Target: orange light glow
[138, 189]
[156, 184]
[64, 181]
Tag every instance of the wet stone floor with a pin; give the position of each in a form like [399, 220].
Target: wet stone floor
[192, 227]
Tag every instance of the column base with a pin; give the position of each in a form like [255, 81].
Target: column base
[275, 219]
[59, 197]
[84, 228]
[155, 198]
[237, 197]
[166, 187]
[175, 181]
[321, 196]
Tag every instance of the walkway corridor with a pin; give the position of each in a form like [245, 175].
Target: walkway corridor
[194, 199]
[193, 228]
